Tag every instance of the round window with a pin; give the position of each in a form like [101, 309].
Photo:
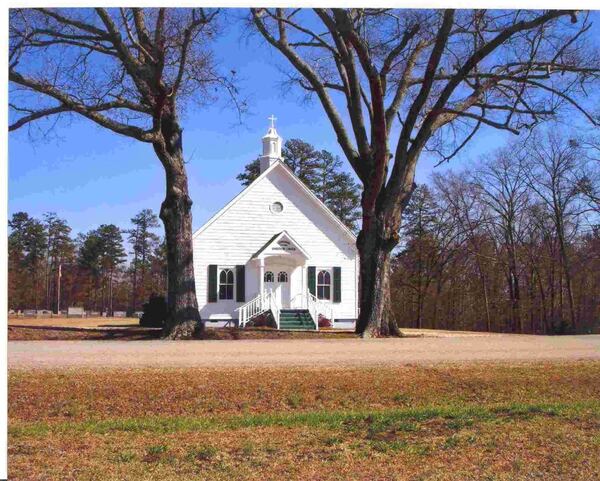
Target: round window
[276, 207]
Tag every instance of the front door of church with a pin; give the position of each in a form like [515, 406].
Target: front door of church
[280, 286]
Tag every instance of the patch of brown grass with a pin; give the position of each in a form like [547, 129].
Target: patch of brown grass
[50, 334]
[548, 449]
[59, 321]
[268, 333]
[508, 445]
[75, 395]
[71, 333]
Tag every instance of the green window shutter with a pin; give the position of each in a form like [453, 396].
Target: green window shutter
[311, 280]
[212, 283]
[337, 284]
[240, 283]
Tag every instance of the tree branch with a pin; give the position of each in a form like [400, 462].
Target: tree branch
[90, 112]
[312, 77]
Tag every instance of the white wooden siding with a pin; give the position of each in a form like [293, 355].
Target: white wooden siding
[242, 229]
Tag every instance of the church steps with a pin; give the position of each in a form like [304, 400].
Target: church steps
[296, 319]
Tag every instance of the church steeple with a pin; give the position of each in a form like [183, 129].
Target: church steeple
[271, 147]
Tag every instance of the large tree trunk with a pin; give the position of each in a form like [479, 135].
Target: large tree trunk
[184, 319]
[376, 317]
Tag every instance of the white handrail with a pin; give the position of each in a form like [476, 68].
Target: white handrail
[260, 304]
[299, 301]
[274, 308]
[253, 308]
[315, 306]
[268, 301]
[312, 309]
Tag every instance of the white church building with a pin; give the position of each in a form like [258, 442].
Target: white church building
[276, 253]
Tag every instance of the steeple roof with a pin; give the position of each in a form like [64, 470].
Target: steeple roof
[271, 147]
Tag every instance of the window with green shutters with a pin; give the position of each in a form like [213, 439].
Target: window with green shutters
[240, 283]
[311, 280]
[324, 285]
[226, 283]
[337, 284]
[212, 283]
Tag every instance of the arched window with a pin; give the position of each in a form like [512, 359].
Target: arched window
[282, 277]
[324, 285]
[226, 284]
[269, 277]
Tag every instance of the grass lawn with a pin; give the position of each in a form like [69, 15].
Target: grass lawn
[475, 422]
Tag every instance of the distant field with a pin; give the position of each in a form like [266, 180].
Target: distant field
[28, 329]
[77, 328]
[479, 422]
[74, 321]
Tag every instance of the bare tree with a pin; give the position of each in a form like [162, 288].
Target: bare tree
[504, 190]
[129, 71]
[590, 179]
[552, 164]
[464, 201]
[417, 79]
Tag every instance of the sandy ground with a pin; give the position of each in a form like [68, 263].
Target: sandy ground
[311, 353]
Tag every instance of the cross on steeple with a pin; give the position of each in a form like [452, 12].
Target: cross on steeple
[272, 118]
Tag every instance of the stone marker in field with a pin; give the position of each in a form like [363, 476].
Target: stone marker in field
[29, 313]
[75, 312]
[119, 314]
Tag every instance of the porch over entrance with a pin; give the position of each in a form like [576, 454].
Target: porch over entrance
[283, 277]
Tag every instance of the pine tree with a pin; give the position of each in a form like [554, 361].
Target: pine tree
[420, 255]
[89, 253]
[250, 174]
[101, 252]
[337, 189]
[27, 244]
[345, 199]
[143, 242]
[158, 269]
[112, 256]
[303, 159]
[59, 249]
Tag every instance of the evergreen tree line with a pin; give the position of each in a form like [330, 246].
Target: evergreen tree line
[50, 269]
[321, 171]
[512, 244]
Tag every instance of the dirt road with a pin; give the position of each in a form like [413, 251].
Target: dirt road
[317, 353]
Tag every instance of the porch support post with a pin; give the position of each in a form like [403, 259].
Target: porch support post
[304, 290]
[261, 280]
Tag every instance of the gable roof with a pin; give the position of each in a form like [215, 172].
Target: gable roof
[302, 185]
[276, 238]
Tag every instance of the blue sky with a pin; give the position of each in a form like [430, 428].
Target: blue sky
[90, 176]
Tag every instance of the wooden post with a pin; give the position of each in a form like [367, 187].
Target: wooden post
[261, 281]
